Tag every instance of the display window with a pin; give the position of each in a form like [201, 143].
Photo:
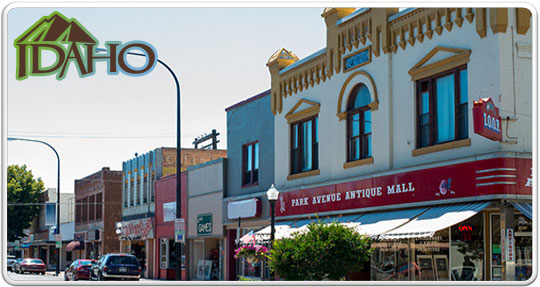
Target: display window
[467, 249]
[455, 253]
[167, 254]
[523, 246]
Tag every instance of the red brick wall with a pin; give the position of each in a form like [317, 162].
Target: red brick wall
[112, 210]
[166, 192]
[109, 184]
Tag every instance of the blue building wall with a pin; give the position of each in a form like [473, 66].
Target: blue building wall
[249, 121]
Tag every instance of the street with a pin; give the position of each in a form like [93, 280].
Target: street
[49, 276]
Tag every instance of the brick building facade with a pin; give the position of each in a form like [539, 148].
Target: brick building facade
[98, 199]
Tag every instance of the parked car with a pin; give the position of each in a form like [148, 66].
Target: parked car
[79, 270]
[116, 267]
[10, 260]
[32, 265]
[16, 266]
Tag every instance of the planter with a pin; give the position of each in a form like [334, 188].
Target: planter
[252, 259]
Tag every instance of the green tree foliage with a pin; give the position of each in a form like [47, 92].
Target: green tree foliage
[22, 189]
[325, 251]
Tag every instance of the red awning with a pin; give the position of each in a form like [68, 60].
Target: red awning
[75, 245]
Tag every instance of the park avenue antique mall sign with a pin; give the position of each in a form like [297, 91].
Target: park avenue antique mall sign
[470, 179]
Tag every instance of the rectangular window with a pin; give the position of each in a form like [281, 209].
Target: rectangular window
[92, 207]
[85, 210]
[78, 212]
[138, 188]
[99, 206]
[132, 192]
[124, 191]
[442, 104]
[359, 134]
[145, 189]
[250, 165]
[152, 190]
[304, 145]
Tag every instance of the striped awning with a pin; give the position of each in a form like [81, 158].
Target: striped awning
[435, 219]
[374, 224]
[525, 208]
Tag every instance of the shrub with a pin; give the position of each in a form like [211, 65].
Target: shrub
[324, 252]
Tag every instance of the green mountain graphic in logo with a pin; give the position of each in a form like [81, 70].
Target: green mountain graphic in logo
[56, 28]
[69, 43]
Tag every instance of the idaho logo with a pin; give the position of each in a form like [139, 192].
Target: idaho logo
[71, 42]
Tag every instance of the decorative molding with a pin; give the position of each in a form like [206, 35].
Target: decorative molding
[459, 19]
[523, 19]
[370, 25]
[303, 174]
[294, 116]
[498, 19]
[469, 15]
[419, 71]
[441, 147]
[359, 162]
[374, 105]
[524, 50]
[481, 22]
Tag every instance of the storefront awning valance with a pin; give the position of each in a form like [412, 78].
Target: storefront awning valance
[75, 245]
[283, 229]
[373, 224]
[525, 208]
[435, 219]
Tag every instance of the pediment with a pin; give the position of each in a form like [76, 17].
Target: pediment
[439, 59]
[302, 109]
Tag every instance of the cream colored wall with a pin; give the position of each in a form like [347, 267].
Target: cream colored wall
[394, 123]
[205, 194]
[203, 205]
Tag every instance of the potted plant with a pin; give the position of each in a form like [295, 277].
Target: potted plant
[252, 254]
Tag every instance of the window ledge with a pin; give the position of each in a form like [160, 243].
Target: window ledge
[303, 174]
[441, 147]
[359, 162]
[249, 185]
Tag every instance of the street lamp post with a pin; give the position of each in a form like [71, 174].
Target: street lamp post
[273, 195]
[178, 250]
[57, 231]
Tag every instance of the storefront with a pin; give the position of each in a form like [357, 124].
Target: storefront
[457, 222]
[205, 232]
[137, 238]
[165, 216]
[248, 214]
[207, 250]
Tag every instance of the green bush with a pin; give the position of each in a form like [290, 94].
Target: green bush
[324, 252]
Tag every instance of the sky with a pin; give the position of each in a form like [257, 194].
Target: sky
[218, 54]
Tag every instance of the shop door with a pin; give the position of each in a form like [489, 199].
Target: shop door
[43, 254]
[198, 260]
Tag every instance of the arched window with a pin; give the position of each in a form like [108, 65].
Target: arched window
[359, 124]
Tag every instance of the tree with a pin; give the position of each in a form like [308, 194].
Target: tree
[23, 196]
[325, 251]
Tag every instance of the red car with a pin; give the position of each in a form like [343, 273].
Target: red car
[32, 265]
[79, 270]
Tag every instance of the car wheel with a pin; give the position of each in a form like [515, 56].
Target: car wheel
[100, 277]
[43, 273]
[66, 278]
[75, 277]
